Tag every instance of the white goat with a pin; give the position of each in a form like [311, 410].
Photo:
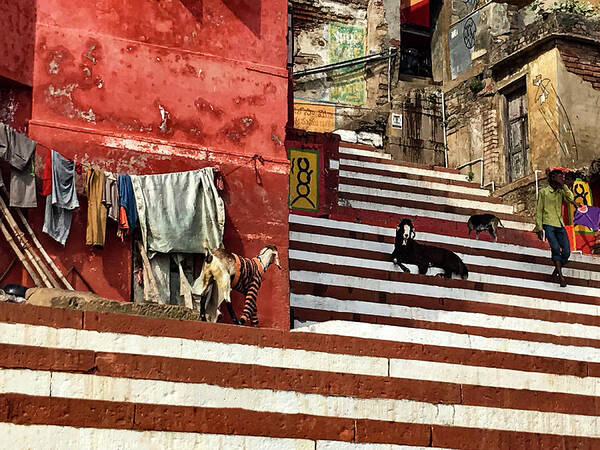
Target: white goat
[223, 271]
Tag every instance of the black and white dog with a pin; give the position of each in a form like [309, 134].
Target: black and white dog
[484, 222]
[409, 251]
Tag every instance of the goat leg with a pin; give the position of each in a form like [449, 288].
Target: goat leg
[232, 313]
[203, 307]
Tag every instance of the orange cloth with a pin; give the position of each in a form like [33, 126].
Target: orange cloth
[123, 223]
[96, 226]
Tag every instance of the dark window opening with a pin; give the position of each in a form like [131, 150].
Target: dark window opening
[418, 20]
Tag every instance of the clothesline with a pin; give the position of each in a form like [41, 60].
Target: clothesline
[110, 195]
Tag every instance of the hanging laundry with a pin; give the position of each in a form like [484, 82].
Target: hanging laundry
[63, 199]
[589, 217]
[18, 150]
[123, 224]
[179, 212]
[47, 174]
[96, 226]
[110, 195]
[127, 201]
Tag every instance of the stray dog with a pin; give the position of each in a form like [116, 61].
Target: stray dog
[409, 251]
[484, 222]
[223, 271]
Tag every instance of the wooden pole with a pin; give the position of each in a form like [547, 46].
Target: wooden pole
[31, 255]
[39, 246]
[11, 242]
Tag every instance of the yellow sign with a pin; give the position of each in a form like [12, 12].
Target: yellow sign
[583, 196]
[304, 179]
[311, 116]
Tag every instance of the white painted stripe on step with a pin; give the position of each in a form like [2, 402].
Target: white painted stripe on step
[437, 338]
[422, 198]
[388, 266]
[435, 238]
[493, 377]
[380, 207]
[448, 317]
[361, 152]
[52, 437]
[414, 183]
[451, 373]
[95, 387]
[398, 287]
[334, 164]
[403, 169]
[382, 247]
[68, 338]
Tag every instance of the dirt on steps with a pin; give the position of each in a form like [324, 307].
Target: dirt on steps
[87, 301]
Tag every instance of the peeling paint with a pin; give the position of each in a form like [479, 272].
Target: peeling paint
[53, 67]
[165, 117]
[70, 110]
[89, 55]
[276, 139]
[9, 107]
[240, 128]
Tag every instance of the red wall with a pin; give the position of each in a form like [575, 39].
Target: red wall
[104, 70]
[17, 24]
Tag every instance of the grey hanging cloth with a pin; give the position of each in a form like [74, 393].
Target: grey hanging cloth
[63, 199]
[19, 151]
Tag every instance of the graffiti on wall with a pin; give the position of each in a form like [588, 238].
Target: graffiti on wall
[314, 116]
[550, 106]
[347, 42]
[304, 179]
[472, 36]
[462, 37]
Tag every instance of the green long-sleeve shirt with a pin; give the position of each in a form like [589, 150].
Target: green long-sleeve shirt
[549, 206]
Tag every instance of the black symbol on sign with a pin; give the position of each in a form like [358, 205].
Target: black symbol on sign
[303, 177]
[580, 193]
[469, 31]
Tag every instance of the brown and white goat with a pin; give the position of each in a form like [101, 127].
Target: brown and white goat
[223, 271]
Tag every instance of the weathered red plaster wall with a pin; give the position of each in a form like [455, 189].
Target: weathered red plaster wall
[148, 87]
[17, 22]
[15, 110]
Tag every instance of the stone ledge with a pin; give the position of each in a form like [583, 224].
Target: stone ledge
[86, 301]
[556, 26]
[525, 181]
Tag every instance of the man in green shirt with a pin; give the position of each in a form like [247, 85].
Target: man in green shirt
[549, 221]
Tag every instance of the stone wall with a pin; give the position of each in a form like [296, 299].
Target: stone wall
[473, 128]
[421, 139]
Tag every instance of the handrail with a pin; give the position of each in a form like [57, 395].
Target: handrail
[537, 188]
[385, 54]
[471, 163]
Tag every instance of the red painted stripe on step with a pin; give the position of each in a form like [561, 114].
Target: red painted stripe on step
[418, 190]
[130, 324]
[440, 304]
[322, 315]
[243, 376]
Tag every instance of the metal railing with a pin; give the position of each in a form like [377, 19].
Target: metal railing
[472, 163]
